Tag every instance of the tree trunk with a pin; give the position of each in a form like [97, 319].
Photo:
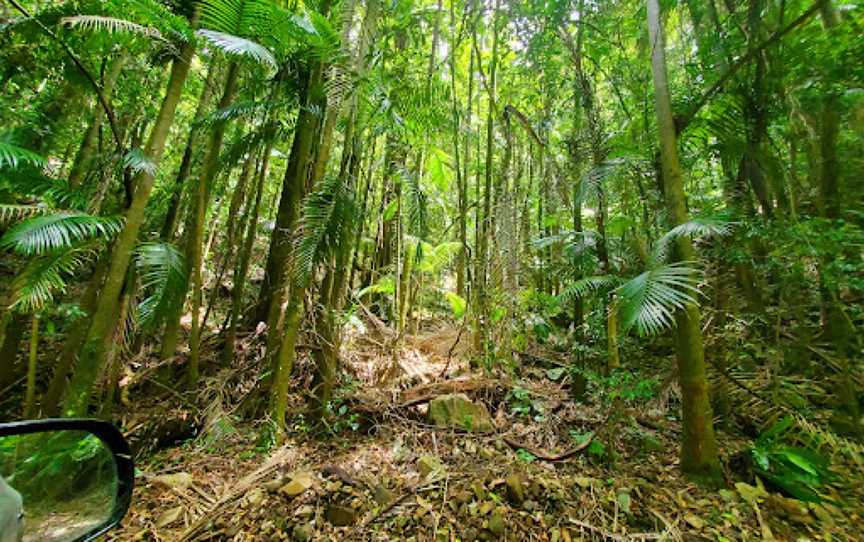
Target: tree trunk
[196, 237]
[169, 226]
[698, 447]
[93, 351]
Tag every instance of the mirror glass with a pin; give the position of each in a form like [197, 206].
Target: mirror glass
[55, 486]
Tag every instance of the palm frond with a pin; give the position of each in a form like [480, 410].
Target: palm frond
[11, 155]
[415, 204]
[162, 270]
[111, 25]
[329, 214]
[44, 234]
[648, 302]
[17, 213]
[594, 179]
[137, 161]
[237, 46]
[45, 277]
[698, 227]
[589, 285]
[238, 110]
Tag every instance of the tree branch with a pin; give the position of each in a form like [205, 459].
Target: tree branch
[685, 120]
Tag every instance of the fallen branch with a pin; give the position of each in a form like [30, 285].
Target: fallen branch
[540, 454]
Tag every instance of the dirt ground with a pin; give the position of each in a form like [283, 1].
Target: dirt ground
[555, 470]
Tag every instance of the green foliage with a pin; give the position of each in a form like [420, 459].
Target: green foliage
[457, 304]
[12, 156]
[522, 403]
[329, 216]
[648, 302]
[162, 270]
[46, 276]
[41, 235]
[138, 162]
[621, 384]
[797, 471]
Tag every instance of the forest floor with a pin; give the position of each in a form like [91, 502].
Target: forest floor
[553, 469]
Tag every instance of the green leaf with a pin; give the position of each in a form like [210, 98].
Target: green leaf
[457, 304]
[12, 155]
[237, 46]
[44, 234]
[649, 301]
[162, 270]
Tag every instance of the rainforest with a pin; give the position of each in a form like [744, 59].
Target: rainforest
[443, 270]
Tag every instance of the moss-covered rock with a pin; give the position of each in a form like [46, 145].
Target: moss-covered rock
[457, 411]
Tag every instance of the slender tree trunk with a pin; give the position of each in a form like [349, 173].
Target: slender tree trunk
[30, 393]
[482, 264]
[169, 226]
[88, 142]
[92, 357]
[196, 237]
[245, 258]
[698, 447]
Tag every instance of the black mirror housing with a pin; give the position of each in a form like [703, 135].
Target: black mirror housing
[112, 440]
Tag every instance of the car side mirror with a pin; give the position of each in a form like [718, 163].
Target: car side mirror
[65, 480]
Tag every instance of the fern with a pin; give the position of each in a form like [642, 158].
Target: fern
[162, 270]
[44, 234]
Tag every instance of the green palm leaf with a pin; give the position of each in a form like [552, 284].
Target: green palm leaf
[329, 214]
[162, 270]
[648, 302]
[44, 277]
[137, 161]
[237, 46]
[698, 227]
[12, 155]
[111, 25]
[44, 234]
[589, 285]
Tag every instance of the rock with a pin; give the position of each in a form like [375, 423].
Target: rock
[457, 411]
[302, 532]
[382, 495]
[515, 489]
[496, 523]
[429, 465]
[340, 516]
[179, 480]
[300, 482]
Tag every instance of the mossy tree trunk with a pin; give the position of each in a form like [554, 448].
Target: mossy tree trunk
[94, 349]
[698, 445]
